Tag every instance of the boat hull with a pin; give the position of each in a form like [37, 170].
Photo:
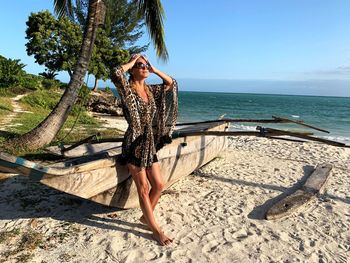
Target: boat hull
[102, 179]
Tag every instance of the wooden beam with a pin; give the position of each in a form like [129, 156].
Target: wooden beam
[300, 123]
[313, 186]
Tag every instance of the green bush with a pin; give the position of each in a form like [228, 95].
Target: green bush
[50, 83]
[63, 85]
[17, 90]
[5, 92]
[31, 82]
[11, 71]
[108, 90]
[84, 92]
[84, 118]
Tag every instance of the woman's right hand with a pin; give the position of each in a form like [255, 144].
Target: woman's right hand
[131, 63]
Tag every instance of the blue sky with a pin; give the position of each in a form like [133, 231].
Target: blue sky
[228, 45]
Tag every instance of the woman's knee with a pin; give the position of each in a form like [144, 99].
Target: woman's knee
[143, 190]
[140, 178]
[159, 186]
[156, 180]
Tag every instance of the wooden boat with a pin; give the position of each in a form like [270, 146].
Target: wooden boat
[102, 179]
[86, 149]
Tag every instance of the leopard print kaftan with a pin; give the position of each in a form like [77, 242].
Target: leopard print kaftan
[150, 124]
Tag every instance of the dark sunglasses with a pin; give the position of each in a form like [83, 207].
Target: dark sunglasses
[140, 65]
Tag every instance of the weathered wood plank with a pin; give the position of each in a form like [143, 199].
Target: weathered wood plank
[317, 181]
[313, 186]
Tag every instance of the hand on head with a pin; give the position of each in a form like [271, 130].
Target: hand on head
[135, 57]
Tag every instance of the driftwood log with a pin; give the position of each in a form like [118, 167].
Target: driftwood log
[313, 186]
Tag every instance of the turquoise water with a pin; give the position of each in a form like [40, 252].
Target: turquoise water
[329, 113]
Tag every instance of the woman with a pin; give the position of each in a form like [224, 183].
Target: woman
[151, 112]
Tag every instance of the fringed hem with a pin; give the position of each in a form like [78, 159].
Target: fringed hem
[124, 160]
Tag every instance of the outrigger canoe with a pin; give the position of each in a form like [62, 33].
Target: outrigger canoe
[101, 178]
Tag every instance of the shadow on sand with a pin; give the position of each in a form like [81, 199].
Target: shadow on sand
[259, 211]
[23, 199]
[8, 135]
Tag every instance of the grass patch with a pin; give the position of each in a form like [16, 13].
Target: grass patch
[12, 91]
[39, 104]
[30, 240]
[5, 102]
[24, 244]
[5, 236]
[26, 257]
[5, 106]
[45, 99]
[6, 92]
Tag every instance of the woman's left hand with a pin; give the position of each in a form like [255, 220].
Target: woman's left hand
[168, 81]
[151, 68]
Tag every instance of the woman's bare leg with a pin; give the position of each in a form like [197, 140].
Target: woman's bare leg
[157, 186]
[140, 178]
[157, 183]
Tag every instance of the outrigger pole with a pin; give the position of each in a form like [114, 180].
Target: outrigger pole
[275, 119]
[261, 132]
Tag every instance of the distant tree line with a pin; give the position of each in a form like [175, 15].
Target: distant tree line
[13, 75]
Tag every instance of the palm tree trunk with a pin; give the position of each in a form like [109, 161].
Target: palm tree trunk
[46, 131]
[96, 85]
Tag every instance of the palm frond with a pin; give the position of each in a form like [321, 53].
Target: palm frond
[63, 8]
[153, 13]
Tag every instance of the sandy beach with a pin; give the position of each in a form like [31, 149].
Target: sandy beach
[214, 215]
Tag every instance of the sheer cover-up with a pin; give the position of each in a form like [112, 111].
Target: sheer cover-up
[150, 123]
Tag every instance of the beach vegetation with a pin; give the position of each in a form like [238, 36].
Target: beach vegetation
[44, 133]
[36, 105]
[53, 42]
[31, 82]
[14, 79]
[30, 240]
[5, 106]
[44, 99]
[5, 236]
[25, 243]
[48, 74]
[25, 257]
[11, 71]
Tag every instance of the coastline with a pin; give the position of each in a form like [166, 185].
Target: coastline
[215, 214]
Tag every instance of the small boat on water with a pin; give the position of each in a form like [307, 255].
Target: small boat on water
[100, 177]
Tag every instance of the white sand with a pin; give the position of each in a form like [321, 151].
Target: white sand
[214, 215]
[108, 121]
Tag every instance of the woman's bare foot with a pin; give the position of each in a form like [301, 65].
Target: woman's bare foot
[162, 238]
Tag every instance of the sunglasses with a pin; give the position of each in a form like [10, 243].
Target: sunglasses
[140, 65]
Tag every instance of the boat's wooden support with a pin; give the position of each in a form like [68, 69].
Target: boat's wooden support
[269, 131]
[299, 123]
[313, 186]
[86, 140]
[274, 120]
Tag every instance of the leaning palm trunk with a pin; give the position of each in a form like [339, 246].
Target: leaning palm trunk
[46, 131]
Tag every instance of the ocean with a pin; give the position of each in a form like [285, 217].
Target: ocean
[328, 113]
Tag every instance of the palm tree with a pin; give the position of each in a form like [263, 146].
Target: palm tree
[45, 132]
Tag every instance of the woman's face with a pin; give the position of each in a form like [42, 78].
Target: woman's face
[140, 69]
